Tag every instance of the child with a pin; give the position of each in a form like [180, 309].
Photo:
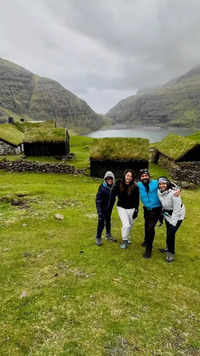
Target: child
[104, 204]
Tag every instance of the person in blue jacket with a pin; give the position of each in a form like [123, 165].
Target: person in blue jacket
[148, 189]
[104, 204]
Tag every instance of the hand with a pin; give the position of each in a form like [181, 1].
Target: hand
[177, 193]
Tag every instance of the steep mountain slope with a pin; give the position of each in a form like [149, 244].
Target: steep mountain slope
[177, 103]
[26, 95]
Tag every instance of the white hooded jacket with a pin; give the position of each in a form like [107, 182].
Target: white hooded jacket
[172, 203]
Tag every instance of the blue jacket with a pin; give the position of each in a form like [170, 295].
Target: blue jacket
[149, 199]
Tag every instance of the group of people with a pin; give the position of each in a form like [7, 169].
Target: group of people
[161, 200]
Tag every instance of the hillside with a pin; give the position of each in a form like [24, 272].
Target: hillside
[177, 103]
[29, 96]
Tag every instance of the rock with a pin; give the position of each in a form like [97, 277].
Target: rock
[23, 295]
[27, 254]
[59, 217]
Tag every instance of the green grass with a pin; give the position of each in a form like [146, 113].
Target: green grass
[45, 135]
[9, 133]
[83, 300]
[195, 136]
[120, 148]
[174, 146]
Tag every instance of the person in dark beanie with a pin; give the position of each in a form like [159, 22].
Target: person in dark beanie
[173, 211]
[127, 206]
[104, 204]
[148, 189]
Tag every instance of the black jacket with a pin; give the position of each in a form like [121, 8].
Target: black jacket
[125, 200]
[104, 199]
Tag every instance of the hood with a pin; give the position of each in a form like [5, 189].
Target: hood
[109, 174]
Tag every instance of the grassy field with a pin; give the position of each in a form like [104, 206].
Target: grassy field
[60, 294]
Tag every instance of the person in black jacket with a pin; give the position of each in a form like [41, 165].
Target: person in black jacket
[127, 206]
[104, 204]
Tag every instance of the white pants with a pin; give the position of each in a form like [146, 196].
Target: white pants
[126, 220]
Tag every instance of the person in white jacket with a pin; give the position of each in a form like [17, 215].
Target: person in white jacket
[174, 213]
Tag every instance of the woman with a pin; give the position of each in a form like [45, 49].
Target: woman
[173, 212]
[127, 206]
[104, 204]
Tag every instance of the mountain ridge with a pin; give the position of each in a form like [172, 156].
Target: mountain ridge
[26, 95]
[176, 103]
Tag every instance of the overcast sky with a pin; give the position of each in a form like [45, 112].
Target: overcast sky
[102, 50]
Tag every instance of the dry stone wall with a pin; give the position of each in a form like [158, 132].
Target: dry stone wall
[186, 172]
[30, 166]
[6, 149]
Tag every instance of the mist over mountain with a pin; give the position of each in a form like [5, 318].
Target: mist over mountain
[31, 97]
[176, 103]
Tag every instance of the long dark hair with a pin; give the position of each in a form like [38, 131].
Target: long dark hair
[131, 185]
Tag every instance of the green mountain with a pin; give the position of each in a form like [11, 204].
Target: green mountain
[31, 97]
[177, 103]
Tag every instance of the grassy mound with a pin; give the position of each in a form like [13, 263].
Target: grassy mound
[120, 148]
[11, 134]
[174, 146]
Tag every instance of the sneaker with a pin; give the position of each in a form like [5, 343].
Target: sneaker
[124, 244]
[144, 244]
[98, 242]
[109, 237]
[170, 257]
[163, 250]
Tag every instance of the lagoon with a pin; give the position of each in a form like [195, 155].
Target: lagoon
[154, 134]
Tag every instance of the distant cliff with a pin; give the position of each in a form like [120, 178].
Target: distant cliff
[26, 95]
[177, 103]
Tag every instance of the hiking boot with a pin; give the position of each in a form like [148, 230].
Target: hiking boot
[98, 242]
[109, 237]
[170, 257]
[144, 244]
[124, 244]
[163, 250]
[147, 253]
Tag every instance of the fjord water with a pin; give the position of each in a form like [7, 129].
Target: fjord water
[154, 134]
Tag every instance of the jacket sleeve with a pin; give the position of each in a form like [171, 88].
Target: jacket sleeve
[176, 210]
[99, 200]
[137, 197]
[115, 189]
[112, 200]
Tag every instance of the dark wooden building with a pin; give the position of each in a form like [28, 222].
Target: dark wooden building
[46, 142]
[117, 155]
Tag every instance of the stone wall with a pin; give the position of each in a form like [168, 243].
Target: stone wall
[6, 149]
[188, 172]
[30, 166]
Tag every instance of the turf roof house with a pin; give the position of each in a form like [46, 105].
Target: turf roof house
[174, 148]
[11, 140]
[118, 154]
[44, 141]
[182, 156]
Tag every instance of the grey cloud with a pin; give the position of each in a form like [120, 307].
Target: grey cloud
[101, 50]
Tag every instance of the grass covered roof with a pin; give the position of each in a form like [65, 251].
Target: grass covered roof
[120, 148]
[44, 134]
[195, 136]
[11, 134]
[174, 146]
[27, 125]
